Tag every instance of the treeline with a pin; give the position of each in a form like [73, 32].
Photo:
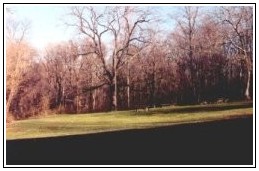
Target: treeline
[124, 60]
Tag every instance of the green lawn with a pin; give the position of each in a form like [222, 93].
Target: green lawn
[60, 125]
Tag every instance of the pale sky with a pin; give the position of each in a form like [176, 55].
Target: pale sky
[47, 23]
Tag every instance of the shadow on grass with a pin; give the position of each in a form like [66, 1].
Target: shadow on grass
[228, 142]
[195, 108]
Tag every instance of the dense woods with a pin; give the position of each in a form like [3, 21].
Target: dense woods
[124, 59]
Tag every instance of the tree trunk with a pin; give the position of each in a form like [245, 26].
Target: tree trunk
[90, 101]
[77, 96]
[114, 93]
[94, 100]
[9, 101]
[128, 92]
[128, 87]
[61, 100]
[249, 66]
[247, 93]
[77, 104]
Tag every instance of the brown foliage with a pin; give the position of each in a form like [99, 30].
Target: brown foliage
[200, 60]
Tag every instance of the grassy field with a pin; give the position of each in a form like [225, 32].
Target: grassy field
[61, 125]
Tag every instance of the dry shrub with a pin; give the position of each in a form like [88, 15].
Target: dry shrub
[9, 118]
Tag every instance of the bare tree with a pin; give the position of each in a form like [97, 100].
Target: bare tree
[121, 61]
[121, 25]
[19, 55]
[239, 21]
[186, 38]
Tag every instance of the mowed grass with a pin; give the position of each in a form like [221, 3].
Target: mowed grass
[74, 124]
